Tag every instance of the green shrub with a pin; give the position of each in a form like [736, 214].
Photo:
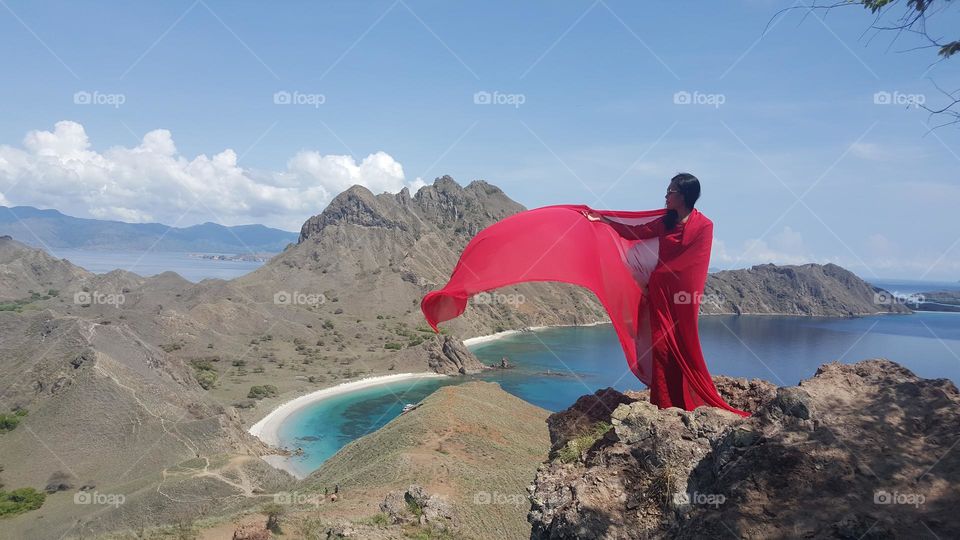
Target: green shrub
[207, 379]
[20, 500]
[9, 421]
[264, 391]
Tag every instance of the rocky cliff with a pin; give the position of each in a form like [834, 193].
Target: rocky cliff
[807, 289]
[858, 451]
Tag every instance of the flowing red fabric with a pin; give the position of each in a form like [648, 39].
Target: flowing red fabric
[650, 281]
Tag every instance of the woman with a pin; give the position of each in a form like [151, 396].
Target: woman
[679, 375]
[556, 243]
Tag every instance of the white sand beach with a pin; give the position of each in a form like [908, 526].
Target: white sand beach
[267, 429]
[492, 337]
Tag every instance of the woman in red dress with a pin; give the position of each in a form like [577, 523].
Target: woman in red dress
[679, 375]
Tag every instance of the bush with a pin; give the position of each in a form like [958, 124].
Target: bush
[392, 346]
[20, 500]
[9, 421]
[264, 391]
[207, 379]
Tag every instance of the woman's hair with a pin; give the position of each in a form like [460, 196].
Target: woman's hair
[689, 188]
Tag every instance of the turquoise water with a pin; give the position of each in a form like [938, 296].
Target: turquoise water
[555, 366]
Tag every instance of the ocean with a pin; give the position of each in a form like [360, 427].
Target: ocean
[555, 366]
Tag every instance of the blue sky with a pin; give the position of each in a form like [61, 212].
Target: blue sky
[168, 111]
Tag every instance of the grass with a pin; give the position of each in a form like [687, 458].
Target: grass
[576, 447]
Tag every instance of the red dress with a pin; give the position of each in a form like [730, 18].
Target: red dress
[556, 243]
[668, 386]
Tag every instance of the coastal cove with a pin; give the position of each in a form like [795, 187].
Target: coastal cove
[553, 366]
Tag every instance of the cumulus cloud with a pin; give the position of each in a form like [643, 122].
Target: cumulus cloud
[154, 182]
[785, 247]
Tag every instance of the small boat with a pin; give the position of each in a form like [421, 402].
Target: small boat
[409, 407]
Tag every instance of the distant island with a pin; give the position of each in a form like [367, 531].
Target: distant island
[242, 257]
[51, 228]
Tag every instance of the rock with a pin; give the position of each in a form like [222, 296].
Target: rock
[857, 451]
[414, 505]
[792, 402]
[450, 356]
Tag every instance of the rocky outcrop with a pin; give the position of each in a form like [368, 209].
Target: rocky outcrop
[808, 289]
[451, 357]
[414, 505]
[857, 451]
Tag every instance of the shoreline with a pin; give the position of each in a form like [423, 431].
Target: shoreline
[267, 429]
[476, 340]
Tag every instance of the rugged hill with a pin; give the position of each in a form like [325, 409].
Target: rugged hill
[51, 228]
[808, 289]
[24, 271]
[379, 254]
[473, 444]
[858, 451]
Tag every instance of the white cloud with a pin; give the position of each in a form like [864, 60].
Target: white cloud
[154, 182]
[785, 247]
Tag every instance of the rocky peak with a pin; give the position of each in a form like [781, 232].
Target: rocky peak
[357, 205]
[445, 204]
[858, 451]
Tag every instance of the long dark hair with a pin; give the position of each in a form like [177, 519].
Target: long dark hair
[689, 188]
